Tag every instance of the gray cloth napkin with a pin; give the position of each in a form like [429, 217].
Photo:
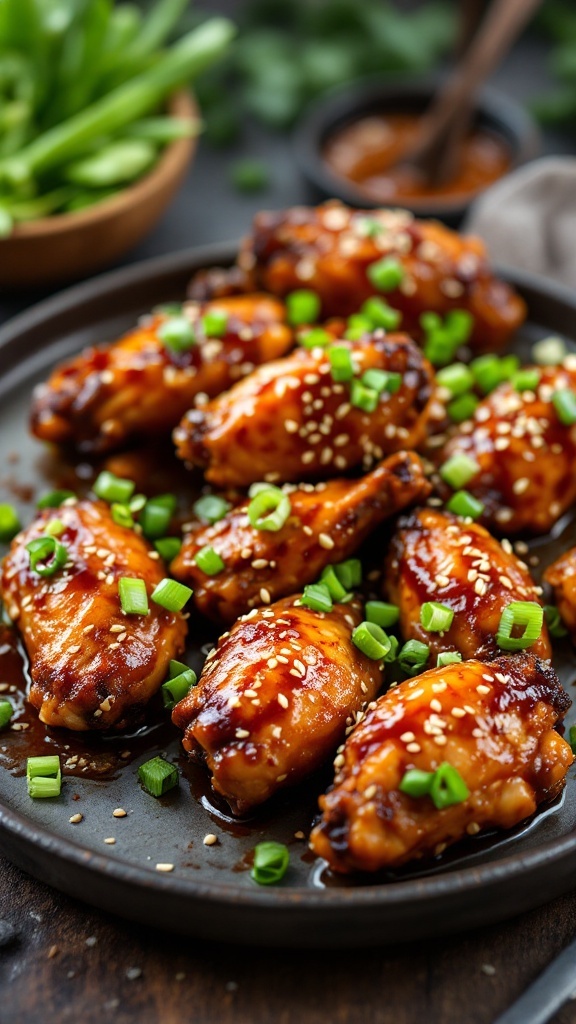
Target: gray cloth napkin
[528, 220]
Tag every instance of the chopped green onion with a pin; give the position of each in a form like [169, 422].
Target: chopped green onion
[54, 498]
[341, 365]
[444, 338]
[490, 371]
[317, 337]
[564, 402]
[316, 596]
[554, 621]
[509, 366]
[393, 652]
[133, 595]
[448, 658]
[6, 712]
[9, 523]
[177, 333]
[526, 380]
[210, 508]
[362, 397]
[168, 547]
[271, 862]
[386, 274]
[448, 787]
[549, 351]
[54, 528]
[357, 326]
[349, 573]
[302, 307]
[136, 504]
[172, 595]
[462, 503]
[122, 515]
[382, 380]
[249, 175]
[269, 509]
[456, 378]
[209, 561]
[369, 227]
[436, 617]
[380, 314]
[47, 555]
[214, 323]
[416, 783]
[413, 656]
[458, 470]
[113, 488]
[371, 639]
[520, 613]
[156, 515]
[158, 776]
[330, 579]
[462, 408]
[180, 680]
[168, 309]
[43, 776]
[572, 738]
[382, 614]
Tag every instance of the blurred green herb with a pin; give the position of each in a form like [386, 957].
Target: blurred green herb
[558, 19]
[79, 80]
[289, 51]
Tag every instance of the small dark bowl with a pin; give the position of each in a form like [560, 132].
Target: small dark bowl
[494, 111]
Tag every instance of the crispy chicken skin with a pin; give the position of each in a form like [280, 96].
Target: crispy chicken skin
[290, 421]
[327, 524]
[435, 556]
[139, 387]
[493, 722]
[275, 698]
[561, 575]
[527, 457]
[92, 666]
[329, 248]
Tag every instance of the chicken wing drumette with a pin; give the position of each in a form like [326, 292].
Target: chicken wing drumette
[275, 698]
[492, 722]
[526, 456]
[561, 575]
[327, 523]
[140, 386]
[290, 420]
[330, 249]
[92, 666]
[434, 556]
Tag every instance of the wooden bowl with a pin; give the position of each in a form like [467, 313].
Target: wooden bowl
[68, 246]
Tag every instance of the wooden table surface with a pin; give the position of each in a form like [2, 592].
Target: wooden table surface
[70, 963]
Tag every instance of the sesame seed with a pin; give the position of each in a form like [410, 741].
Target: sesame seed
[473, 828]
[241, 734]
[165, 867]
[210, 839]
[458, 712]
[260, 563]
[277, 732]
[439, 687]
[440, 740]
[265, 596]
[435, 705]
[482, 689]
[480, 587]
[282, 700]
[413, 748]
[299, 835]
[75, 819]
[521, 485]
[74, 649]
[325, 541]
[370, 792]
[110, 841]
[407, 737]
[119, 812]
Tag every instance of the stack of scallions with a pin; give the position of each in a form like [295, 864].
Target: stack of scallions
[83, 85]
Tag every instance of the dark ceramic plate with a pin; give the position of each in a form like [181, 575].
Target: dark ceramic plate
[210, 892]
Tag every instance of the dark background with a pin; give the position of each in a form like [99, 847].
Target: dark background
[71, 963]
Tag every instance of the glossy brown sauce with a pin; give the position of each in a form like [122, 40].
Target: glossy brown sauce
[365, 151]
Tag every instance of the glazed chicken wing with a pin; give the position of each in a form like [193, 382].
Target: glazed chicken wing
[434, 556]
[275, 698]
[330, 248]
[290, 420]
[92, 666]
[526, 456]
[327, 524]
[562, 576]
[492, 722]
[141, 387]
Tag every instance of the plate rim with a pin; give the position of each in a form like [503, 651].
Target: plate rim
[424, 889]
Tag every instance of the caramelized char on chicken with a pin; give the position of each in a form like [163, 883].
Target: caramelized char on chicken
[92, 666]
[141, 387]
[561, 575]
[434, 556]
[329, 248]
[275, 698]
[290, 420]
[327, 524]
[526, 456]
[492, 722]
